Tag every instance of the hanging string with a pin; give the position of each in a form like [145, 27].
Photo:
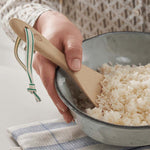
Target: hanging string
[29, 59]
[30, 51]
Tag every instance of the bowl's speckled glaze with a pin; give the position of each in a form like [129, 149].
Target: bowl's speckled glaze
[118, 47]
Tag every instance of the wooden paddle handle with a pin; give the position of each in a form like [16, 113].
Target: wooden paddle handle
[41, 44]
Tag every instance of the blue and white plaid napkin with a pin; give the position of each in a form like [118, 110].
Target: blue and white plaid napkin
[56, 135]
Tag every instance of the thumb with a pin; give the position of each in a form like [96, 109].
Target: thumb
[73, 52]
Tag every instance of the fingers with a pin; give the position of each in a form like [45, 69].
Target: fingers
[65, 36]
[46, 71]
[73, 52]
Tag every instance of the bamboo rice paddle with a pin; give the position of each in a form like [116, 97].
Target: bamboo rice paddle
[87, 79]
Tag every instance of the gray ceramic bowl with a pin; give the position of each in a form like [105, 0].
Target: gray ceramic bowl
[118, 47]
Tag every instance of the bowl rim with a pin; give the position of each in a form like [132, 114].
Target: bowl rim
[78, 111]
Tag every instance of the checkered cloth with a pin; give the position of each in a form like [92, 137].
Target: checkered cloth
[57, 135]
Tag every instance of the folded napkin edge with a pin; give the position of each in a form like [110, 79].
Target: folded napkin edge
[24, 125]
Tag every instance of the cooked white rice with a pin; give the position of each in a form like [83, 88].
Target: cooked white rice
[125, 97]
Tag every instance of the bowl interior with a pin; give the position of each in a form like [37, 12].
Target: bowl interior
[118, 47]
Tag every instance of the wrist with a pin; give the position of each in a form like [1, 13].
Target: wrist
[40, 21]
[43, 20]
[50, 19]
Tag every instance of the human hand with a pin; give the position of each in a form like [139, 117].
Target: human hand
[67, 38]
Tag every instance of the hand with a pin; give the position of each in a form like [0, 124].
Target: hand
[67, 38]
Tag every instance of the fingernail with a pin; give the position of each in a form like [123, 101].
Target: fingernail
[60, 107]
[75, 64]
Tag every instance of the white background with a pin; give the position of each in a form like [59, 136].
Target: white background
[17, 106]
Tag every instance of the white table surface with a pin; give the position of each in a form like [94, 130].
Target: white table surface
[17, 106]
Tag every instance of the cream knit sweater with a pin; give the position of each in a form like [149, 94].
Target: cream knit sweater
[92, 17]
